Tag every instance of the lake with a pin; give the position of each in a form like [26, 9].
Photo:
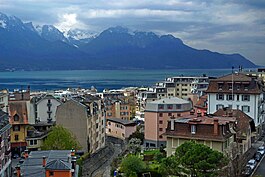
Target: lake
[112, 79]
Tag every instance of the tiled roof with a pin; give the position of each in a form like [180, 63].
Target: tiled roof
[239, 81]
[32, 166]
[58, 164]
[202, 103]
[20, 108]
[170, 100]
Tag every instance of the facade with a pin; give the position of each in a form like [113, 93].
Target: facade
[84, 117]
[215, 132]
[5, 150]
[19, 103]
[201, 105]
[245, 127]
[238, 91]
[120, 128]
[117, 108]
[43, 109]
[157, 113]
[54, 163]
[4, 100]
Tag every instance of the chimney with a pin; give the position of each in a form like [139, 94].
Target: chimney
[172, 124]
[192, 112]
[18, 170]
[26, 154]
[199, 114]
[215, 126]
[44, 161]
[72, 152]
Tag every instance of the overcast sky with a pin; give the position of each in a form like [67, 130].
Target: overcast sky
[226, 26]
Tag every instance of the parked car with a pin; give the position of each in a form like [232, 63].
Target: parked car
[252, 164]
[258, 156]
[261, 150]
[15, 156]
[247, 171]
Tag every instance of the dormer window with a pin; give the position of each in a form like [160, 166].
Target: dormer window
[230, 86]
[169, 106]
[160, 106]
[193, 129]
[220, 86]
[16, 117]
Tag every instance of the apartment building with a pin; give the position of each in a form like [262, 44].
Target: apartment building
[84, 117]
[215, 132]
[157, 113]
[117, 108]
[43, 108]
[238, 91]
[5, 150]
[19, 104]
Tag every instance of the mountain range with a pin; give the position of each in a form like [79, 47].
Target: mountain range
[28, 47]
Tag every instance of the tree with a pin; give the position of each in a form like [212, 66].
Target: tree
[169, 166]
[131, 165]
[60, 139]
[199, 160]
[137, 134]
[134, 145]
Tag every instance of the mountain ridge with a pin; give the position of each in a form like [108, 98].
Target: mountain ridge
[46, 48]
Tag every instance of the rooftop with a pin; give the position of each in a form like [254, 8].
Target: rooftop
[122, 121]
[170, 100]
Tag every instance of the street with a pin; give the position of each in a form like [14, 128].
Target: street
[261, 168]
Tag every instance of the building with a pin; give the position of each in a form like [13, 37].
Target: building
[157, 113]
[245, 128]
[184, 85]
[43, 108]
[117, 108]
[120, 128]
[19, 102]
[54, 163]
[4, 100]
[5, 153]
[201, 105]
[84, 117]
[215, 132]
[238, 91]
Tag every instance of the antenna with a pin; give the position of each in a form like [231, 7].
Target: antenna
[232, 85]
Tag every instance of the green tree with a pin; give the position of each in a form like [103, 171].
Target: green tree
[169, 166]
[134, 145]
[138, 134]
[60, 139]
[131, 165]
[199, 160]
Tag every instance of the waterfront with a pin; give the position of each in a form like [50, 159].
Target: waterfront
[112, 79]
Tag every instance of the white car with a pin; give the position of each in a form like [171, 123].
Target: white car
[252, 164]
[261, 150]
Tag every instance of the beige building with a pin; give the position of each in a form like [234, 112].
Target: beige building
[84, 117]
[215, 132]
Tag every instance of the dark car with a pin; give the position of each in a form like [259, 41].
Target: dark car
[258, 156]
[247, 171]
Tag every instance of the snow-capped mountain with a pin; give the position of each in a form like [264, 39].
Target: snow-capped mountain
[23, 46]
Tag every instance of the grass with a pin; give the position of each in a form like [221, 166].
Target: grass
[151, 152]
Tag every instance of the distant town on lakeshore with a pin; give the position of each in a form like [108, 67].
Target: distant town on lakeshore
[146, 131]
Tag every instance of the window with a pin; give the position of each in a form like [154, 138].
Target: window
[193, 129]
[16, 117]
[230, 106]
[109, 130]
[160, 114]
[230, 86]
[161, 122]
[16, 128]
[160, 136]
[35, 142]
[246, 86]
[237, 97]
[245, 109]
[245, 97]
[238, 87]
[160, 129]
[170, 114]
[219, 106]
[179, 114]
[237, 107]
[178, 106]
[51, 173]
[229, 97]
[16, 137]
[219, 96]
[220, 86]
[122, 134]
[160, 106]
[169, 106]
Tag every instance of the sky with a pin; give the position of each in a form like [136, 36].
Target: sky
[225, 26]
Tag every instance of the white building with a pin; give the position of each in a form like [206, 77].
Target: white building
[4, 100]
[43, 109]
[238, 91]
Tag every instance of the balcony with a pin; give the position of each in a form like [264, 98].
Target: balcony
[49, 104]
